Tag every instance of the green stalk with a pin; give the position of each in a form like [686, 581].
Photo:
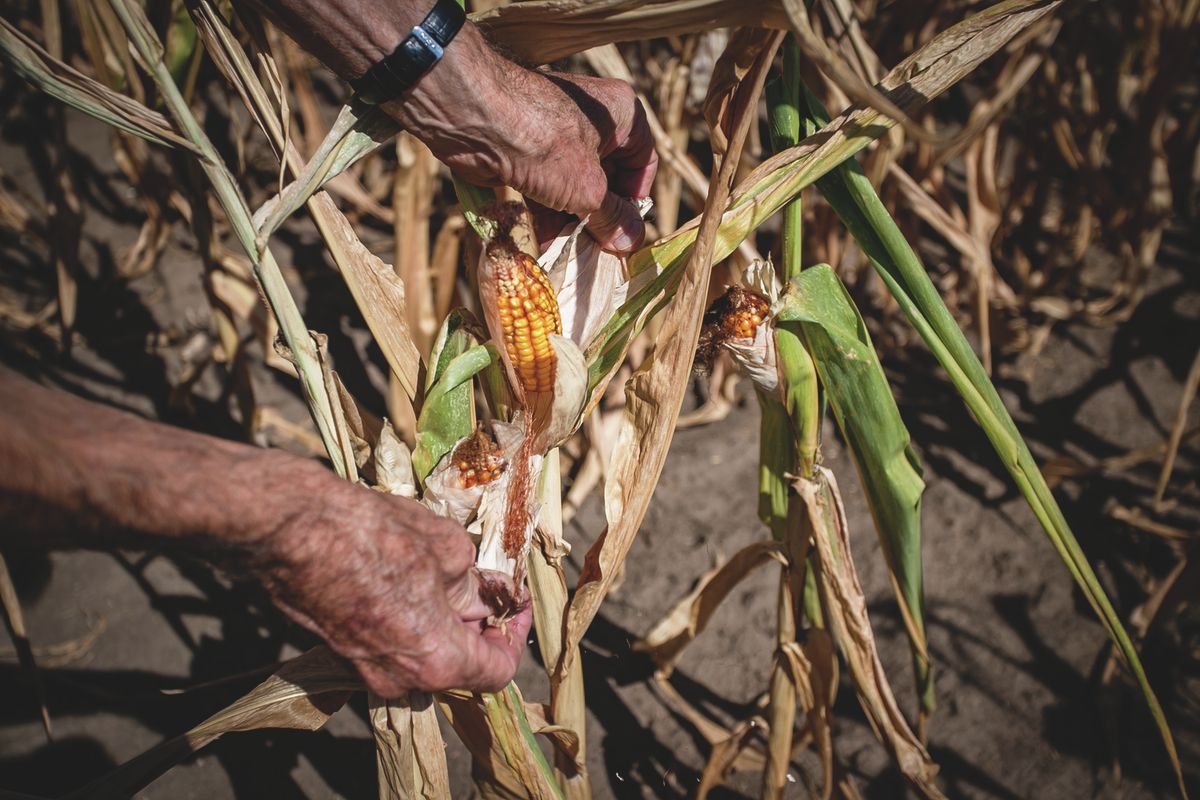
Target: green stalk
[291, 324]
[853, 198]
[789, 439]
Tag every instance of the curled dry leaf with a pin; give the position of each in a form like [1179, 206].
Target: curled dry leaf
[685, 621]
[542, 31]
[845, 609]
[302, 694]
[28, 60]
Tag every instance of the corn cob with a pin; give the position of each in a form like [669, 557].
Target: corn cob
[527, 311]
[744, 313]
[734, 315]
[479, 460]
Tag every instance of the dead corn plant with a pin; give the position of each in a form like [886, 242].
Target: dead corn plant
[492, 376]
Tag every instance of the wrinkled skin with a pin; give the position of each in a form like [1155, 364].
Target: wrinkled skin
[386, 583]
[394, 589]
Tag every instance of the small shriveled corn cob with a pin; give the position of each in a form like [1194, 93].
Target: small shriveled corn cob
[744, 313]
[527, 310]
[734, 315]
[479, 460]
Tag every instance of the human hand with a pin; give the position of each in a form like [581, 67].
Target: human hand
[388, 584]
[569, 143]
[393, 588]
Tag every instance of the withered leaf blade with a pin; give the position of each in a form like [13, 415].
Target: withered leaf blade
[506, 762]
[303, 694]
[845, 609]
[542, 31]
[690, 615]
[655, 393]
[60, 81]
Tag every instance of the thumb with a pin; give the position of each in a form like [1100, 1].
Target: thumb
[490, 659]
[617, 225]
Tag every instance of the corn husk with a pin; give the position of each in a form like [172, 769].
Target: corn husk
[756, 356]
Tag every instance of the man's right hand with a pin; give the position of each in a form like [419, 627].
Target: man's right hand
[390, 586]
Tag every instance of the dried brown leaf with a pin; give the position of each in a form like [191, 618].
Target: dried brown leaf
[845, 609]
[846, 79]
[505, 764]
[690, 615]
[58, 80]
[655, 393]
[1181, 416]
[303, 694]
[542, 31]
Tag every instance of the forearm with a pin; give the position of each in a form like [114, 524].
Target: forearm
[76, 473]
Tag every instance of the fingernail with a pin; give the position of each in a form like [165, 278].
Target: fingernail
[622, 242]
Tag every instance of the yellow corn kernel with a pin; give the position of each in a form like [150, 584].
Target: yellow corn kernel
[528, 314]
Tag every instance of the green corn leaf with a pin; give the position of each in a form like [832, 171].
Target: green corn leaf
[448, 412]
[851, 195]
[862, 403]
[776, 461]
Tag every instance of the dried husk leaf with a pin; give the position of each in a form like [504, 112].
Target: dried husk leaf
[590, 282]
[845, 610]
[302, 694]
[570, 394]
[499, 549]
[393, 464]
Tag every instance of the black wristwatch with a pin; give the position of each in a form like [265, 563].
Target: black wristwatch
[395, 74]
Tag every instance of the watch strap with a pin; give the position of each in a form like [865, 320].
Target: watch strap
[395, 74]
